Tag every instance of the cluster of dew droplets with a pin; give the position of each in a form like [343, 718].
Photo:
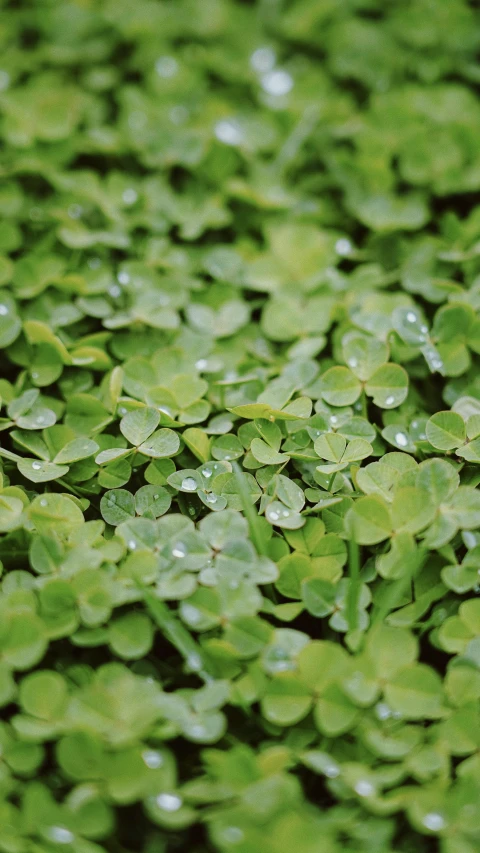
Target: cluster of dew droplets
[276, 82]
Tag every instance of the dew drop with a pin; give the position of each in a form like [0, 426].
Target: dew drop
[470, 539]
[197, 730]
[189, 484]
[273, 515]
[383, 711]
[3, 310]
[434, 821]
[277, 82]
[114, 290]
[211, 498]
[390, 400]
[401, 439]
[35, 374]
[75, 211]
[132, 544]
[352, 362]
[262, 60]
[411, 317]
[166, 66]
[229, 132]
[169, 802]
[152, 759]
[194, 662]
[286, 513]
[60, 835]
[233, 834]
[43, 502]
[364, 788]
[191, 614]
[40, 419]
[201, 364]
[123, 277]
[331, 771]
[36, 466]
[122, 410]
[333, 419]
[129, 196]
[179, 550]
[207, 472]
[343, 247]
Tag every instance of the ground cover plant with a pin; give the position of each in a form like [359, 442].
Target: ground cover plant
[240, 426]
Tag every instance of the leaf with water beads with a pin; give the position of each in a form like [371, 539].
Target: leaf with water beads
[41, 472]
[388, 386]
[161, 444]
[117, 506]
[73, 451]
[281, 516]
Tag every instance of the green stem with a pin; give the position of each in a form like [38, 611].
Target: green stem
[398, 588]
[249, 510]
[178, 636]
[298, 137]
[331, 481]
[353, 593]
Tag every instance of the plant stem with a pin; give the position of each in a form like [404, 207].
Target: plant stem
[249, 510]
[353, 593]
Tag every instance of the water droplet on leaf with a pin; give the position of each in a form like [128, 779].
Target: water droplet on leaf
[189, 484]
[277, 82]
[364, 788]
[434, 821]
[152, 759]
[166, 66]
[229, 132]
[169, 802]
[263, 59]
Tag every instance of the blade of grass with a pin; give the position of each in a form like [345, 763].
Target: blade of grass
[176, 634]
[249, 510]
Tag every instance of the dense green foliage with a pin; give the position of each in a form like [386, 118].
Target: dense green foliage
[240, 449]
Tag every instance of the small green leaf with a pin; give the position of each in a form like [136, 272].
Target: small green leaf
[446, 430]
[161, 444]
[388, 386]
[139, 424]
[340, 387]
[41, 472]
